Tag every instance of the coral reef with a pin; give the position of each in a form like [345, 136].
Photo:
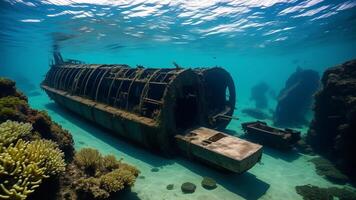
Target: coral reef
[25, 164]
[13, 108]
[310, 192]
[35, 150]
[258, 95]
[295, 99]
[332, 131]
[12, 131]
[102, 176]
[90, 160]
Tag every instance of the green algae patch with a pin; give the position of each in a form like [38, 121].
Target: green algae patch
[326, 169]
[310, 192]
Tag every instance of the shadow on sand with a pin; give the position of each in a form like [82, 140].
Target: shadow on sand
[245, 185]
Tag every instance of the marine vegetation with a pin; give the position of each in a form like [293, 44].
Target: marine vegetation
[310, 192]
[13, 108]
[24, 164]
[325, 168]
[103, 175]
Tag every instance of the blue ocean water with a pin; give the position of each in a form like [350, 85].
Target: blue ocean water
[254, 40]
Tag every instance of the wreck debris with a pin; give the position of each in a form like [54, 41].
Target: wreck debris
[219, 149]
[267, 135]
[151, 105]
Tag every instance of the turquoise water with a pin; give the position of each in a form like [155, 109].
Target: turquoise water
[254, 40]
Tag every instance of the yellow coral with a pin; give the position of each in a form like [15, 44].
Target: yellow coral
[119, 178]
[11, 131]
[47, 156]
[25, 164]
[110, 162]
[89, 159]
[111, 175]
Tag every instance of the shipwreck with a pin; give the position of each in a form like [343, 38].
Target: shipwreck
[169, 110]
[281, 139]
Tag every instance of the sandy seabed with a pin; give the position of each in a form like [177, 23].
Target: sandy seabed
[275, 177]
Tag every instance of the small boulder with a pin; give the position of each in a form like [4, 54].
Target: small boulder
[154, 169]
[208, 183]
[170, 187]
[188, 187]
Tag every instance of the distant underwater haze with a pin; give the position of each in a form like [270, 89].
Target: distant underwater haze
[253, 39]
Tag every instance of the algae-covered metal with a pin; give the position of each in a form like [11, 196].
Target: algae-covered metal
[146, 105]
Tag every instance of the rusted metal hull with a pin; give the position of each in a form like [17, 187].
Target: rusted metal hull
[262, 133]
[150, 106]
[135, 128]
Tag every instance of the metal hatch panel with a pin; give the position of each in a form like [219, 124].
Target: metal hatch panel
[219, 149]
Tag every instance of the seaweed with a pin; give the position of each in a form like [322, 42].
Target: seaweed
[326, 169]
[310, 192]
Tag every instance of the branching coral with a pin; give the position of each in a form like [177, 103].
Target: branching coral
[11, 131]
[109, 162]
[89, 159]
[47, 156]
[25, 164]
[48, 129]
[111, 175]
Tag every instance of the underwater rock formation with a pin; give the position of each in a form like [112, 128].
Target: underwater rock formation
[7, 88]
[208, 183]
[188, 187]
[295, 98]
[258, 95]
[310, 192]
[332, 131]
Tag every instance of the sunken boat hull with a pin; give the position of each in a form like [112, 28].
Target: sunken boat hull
[149, 106]
[262, 133]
